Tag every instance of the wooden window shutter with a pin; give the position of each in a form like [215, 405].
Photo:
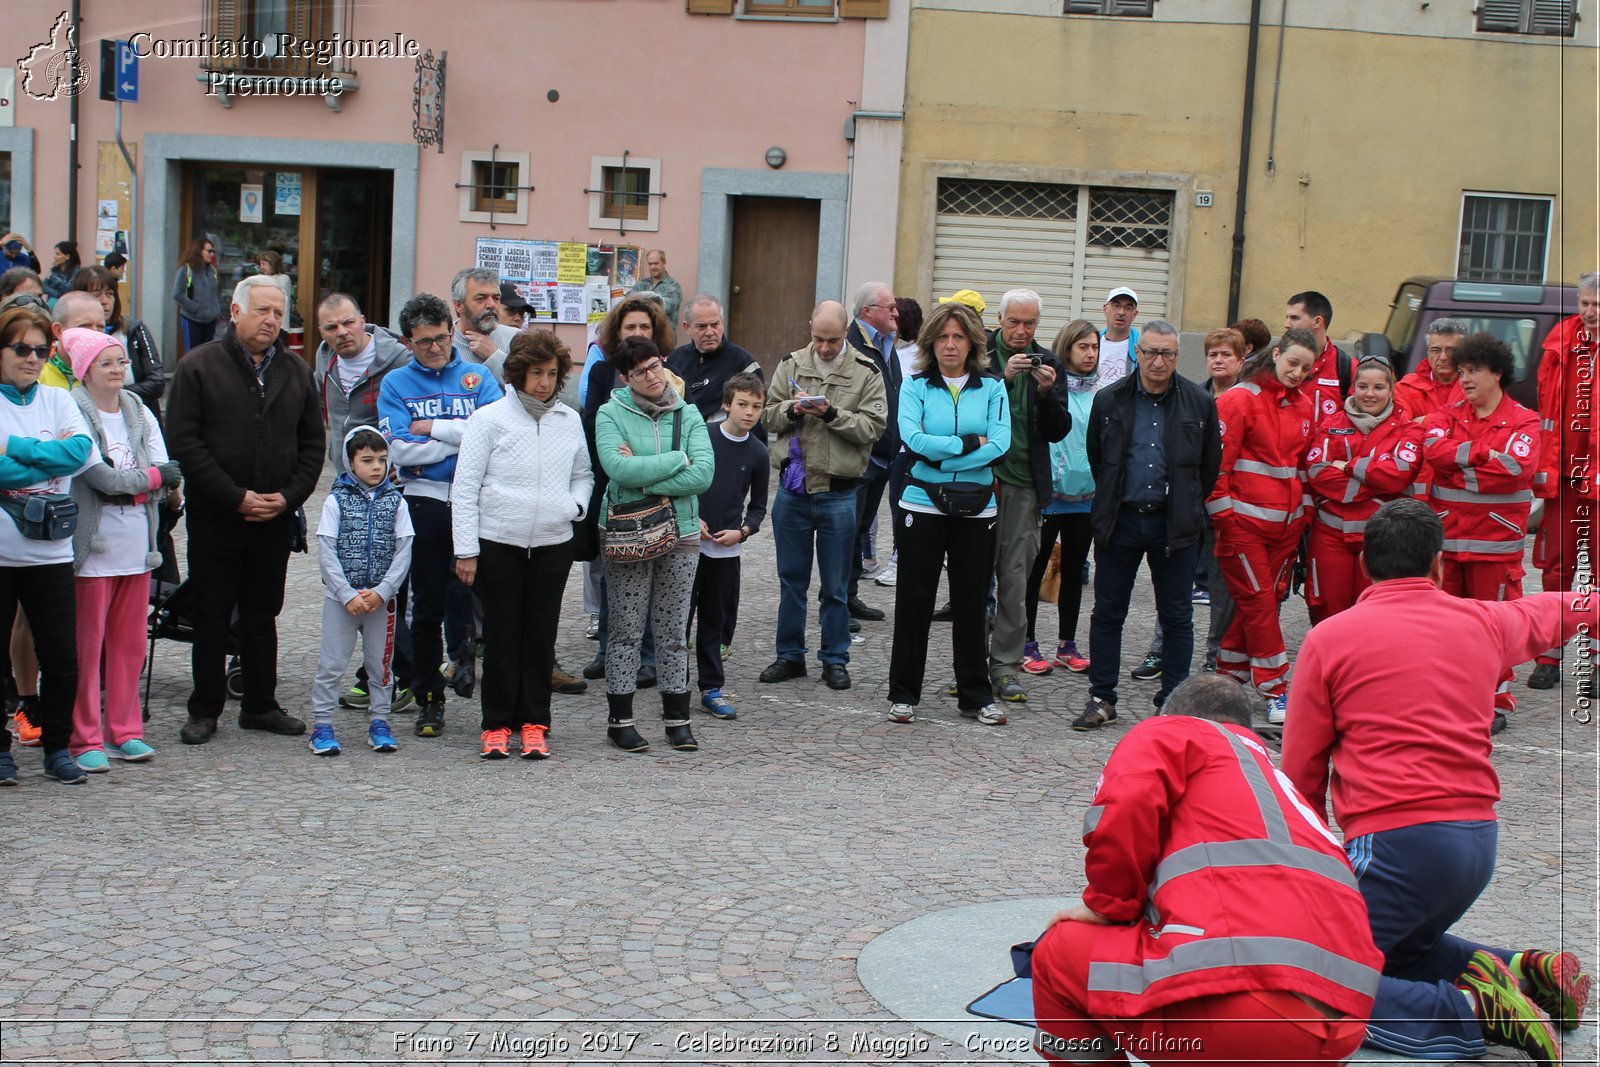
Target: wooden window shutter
[864, 9]
[1554, 18]
[710, 7]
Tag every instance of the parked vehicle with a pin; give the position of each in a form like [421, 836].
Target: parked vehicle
[1520, 315]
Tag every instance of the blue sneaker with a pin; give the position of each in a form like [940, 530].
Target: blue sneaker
[63, 768]
[8, 769]
[379, 737]
[322, 740]
[93, 761]
[1278, 708]
[717, 704]
[133, 750]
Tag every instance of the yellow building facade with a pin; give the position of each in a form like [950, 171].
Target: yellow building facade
[1069, 152]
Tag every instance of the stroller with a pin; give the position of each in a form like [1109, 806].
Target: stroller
[172, 618]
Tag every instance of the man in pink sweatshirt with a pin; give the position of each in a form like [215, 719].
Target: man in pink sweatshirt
[1414, 789]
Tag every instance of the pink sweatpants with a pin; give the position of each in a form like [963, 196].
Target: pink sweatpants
[111, 627]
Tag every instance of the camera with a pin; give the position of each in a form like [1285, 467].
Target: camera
[1035, 362]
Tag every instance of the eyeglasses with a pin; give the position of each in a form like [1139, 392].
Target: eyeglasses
[892, 308]
[39, 352]
[436, 344]
[113, 364]
[1162, 354]
[28, 300]
[648, 370]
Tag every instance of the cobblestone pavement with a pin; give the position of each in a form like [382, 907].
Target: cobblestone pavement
[244, 900]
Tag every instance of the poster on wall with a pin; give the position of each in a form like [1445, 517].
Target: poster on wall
[569, 305]
[599, 261]
[249, 203]
[107, 217]
[105, 242]
[552, 276]
[625, 268]
[572, 259]
[597, 297]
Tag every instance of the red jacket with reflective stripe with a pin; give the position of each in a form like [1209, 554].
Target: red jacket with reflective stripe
[1567, 395]
[1266, 432]
[1482, 478]
[1421, 394]
[1322, 385]
[1190, 831]
[1398, 691]
[1380, 466]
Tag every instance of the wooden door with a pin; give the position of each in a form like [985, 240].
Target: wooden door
[773, 276]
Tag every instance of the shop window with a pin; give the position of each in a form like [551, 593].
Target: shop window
[1550, 18]
[1503, 238]
[625, 193]
[1133, 8]
[494, 187]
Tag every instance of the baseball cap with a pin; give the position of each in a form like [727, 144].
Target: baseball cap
[970, 297]
[1122, 290]
[511, 299]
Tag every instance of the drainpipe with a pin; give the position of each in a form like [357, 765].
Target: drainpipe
[72, 134]
[1236, 267]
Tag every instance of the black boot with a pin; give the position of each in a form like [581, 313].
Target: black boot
[466, 673]
[619, 724]
[675, 717]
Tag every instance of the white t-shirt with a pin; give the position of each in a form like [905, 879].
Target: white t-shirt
[906, 352]
[50, 416]
[125, 527]
[1114, 363]
[355, 368]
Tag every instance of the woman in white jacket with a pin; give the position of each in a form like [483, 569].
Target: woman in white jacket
[522, 479]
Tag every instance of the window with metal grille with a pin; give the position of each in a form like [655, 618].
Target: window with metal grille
[1011, 200]
[1134, 8]
[1130, 218]
[625, 189]
[1550, 18]
[494, 186]
[1503, 238]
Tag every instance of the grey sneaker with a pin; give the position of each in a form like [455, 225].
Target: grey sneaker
[1148, 671]
[1007, 689]
[1096, 713]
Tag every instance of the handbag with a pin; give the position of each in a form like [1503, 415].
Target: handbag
[959, 500]
[644, 529]
[42, 516]
[1050, 584]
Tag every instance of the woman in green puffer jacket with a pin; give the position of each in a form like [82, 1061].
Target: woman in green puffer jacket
[652, 445]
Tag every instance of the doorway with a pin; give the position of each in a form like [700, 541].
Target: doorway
[772, 275]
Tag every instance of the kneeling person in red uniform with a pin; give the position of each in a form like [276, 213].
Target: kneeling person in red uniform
[1483, 454]
[1170, 956]
[1414, 789]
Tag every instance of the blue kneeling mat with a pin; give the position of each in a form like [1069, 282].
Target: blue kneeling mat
[1009, 1002]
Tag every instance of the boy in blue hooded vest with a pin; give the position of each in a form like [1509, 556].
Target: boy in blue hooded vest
[364, 550]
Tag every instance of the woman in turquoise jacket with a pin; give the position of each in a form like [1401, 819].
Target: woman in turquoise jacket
[652, 445]
[1066, 514]
[955, 423]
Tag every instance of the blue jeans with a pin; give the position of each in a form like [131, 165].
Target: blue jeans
[824, 523]
[1135, 538]
[1417, 881]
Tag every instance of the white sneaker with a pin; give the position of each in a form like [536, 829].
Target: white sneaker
[887, 578]
[902, 713]
[989, 715]
[1278, 709]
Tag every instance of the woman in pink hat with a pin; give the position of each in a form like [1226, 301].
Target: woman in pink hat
[114, 549]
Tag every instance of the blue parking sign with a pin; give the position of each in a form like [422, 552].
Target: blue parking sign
[127, 73]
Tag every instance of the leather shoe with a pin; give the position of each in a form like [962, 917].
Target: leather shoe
[781, 670]
[945, 613]
[197, 731]
[855, 626]
[859, 609]
[835, 676]
[645, 678]
[276, 721]
[595, 668]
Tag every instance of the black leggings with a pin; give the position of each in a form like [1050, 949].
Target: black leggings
[1073, 529]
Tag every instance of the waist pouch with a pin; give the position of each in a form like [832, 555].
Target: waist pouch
[641, 529]
[42, 516]
[959, 500]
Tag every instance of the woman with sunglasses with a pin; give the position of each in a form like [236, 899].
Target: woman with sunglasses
[44, 443]
[652, 444]
[114, 551]
[1364, 456]
[145, 378]
[1258, 508]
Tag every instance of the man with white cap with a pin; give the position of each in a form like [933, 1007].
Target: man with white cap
[1120, 338]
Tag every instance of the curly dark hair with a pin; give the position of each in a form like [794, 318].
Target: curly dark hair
[424, 309]
[531, 348]
[1489, 352]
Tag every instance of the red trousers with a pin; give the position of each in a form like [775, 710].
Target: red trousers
[1334, 577]
[1487, 580]
[1235, 1028]
[1568, 520]
[1252, 650]
[111, 631]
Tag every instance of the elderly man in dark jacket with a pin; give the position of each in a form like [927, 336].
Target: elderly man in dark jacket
[245, 422]
[1155, 449]
[1036, 385]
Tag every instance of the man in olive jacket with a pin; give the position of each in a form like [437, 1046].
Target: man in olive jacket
[1155, 448]
[245, 420]
[826, 407]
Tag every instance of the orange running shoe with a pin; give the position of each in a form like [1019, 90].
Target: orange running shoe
[534, 742]
[496, 744]
[28, 734]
